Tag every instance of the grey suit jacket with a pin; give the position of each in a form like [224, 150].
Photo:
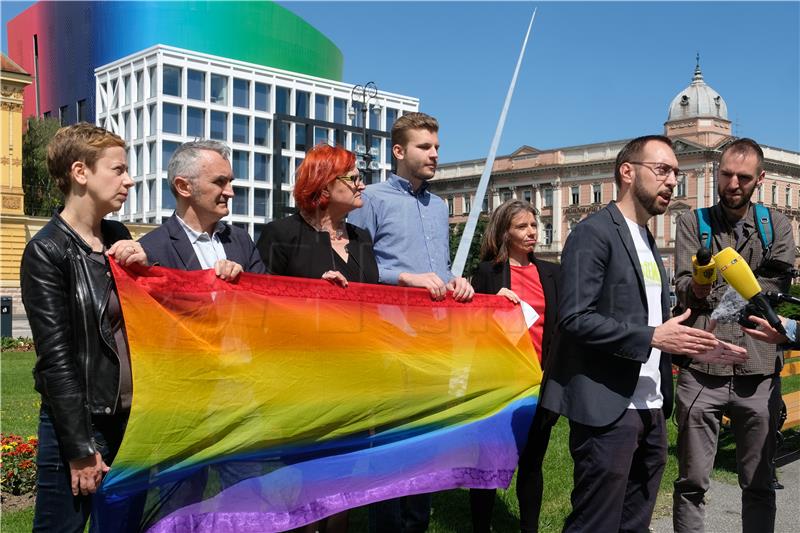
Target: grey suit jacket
[603, 336]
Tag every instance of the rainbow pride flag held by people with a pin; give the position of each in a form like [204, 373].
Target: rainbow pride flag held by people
[272, 402]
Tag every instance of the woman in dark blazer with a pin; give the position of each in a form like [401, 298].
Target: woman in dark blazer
[509, 268]
[316, 242]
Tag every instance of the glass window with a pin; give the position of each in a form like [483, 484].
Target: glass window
[260, 202]
[167, 149]
[83, 111]
[241, 129]
[575, 195]
[547, 197]
[261, 97]
[219, 125]
[261, 131]
[171, 80]
[597, 193]
[151, 190]
[138, 197]
[548, 233]
[302, 103]
[321, 107]
[450, 205]
[680, 190]
[358, 119]
[340, 111]
[127, 128]
[788, 196]
[153, 121]
[151, 150]
[286, 201]
[467, 202]
[139, 123]
[282, 100]
[320, 135]
[167, 198]
[286, 133]
[526, 195]
[374, 119]
[241, 165]
[195, 122]
[284, 177]
[139, 76]
[171, 118]
[241, 93]
[507, 195]
[240, 200]
[391, 116]
[219, 89]
[139, 170]
[774, 194]
[260, 167]
[196, 84]
[300, 137]
[126, 89]
[63, 115]
[153, 83]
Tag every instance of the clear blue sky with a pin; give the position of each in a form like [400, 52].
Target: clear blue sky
[593, 71]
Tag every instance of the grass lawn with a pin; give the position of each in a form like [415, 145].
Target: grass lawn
[19, 414]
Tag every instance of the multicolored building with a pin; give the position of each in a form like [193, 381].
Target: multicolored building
[252, 74]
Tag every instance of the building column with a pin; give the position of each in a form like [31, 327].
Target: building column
[558, 217]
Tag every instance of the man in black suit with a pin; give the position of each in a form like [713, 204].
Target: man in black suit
[611, 374]
[195, 237]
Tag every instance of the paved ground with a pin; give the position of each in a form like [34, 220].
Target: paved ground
[724, 507]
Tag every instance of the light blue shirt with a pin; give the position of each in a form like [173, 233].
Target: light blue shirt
[410, 231]
[208, 250]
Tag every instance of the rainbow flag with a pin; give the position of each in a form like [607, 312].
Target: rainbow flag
[271, 402]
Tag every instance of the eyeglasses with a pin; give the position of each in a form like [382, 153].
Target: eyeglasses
[661, 170]
[351, 181]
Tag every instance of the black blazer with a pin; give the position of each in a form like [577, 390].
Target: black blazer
[290, 247]
[603, 333]
[168, 246]
[490, 277]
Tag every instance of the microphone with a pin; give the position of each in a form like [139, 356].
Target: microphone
[704, 268]
[738, 274]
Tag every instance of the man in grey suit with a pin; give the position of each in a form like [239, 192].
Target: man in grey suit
[195, 237]
[611, 374]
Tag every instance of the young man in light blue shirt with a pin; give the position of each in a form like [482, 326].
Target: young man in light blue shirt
[410, 232]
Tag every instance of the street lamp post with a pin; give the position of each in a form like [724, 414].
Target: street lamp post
[366, 153]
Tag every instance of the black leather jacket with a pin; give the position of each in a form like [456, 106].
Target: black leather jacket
[65, 295]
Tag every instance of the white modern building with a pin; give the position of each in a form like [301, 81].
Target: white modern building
[163, 96]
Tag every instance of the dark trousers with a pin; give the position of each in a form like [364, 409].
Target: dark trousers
[410, 514]
[57, 510]
[617, 472]
[530, 483]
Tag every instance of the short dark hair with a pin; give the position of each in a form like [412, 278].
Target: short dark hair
[633, 151]
[412, 121]
[743, 147]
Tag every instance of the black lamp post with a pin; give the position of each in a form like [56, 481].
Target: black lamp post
[366, 153]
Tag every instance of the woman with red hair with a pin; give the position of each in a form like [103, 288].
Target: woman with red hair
[316, 242]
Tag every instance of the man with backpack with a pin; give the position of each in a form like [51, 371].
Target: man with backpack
[744, 392]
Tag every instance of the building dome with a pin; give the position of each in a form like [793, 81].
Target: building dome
[697, 100]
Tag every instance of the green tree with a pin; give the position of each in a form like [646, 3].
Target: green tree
[41, 193]
[473, 257]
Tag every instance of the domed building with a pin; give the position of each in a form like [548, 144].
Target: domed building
[568, 183]
[698, 113]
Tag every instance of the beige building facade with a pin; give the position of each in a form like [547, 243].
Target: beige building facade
[567, 184]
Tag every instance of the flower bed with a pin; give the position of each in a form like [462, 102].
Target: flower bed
[18, 464]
